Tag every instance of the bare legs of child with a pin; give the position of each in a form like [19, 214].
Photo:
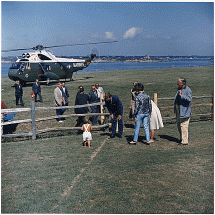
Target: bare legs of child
[85, 143]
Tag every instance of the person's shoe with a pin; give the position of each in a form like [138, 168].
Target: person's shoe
[111, 136]
[183, 144]
[120, 136]
[133, 142]
[60, 121]
[150, 141]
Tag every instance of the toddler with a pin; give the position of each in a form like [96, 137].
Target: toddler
[87, 128]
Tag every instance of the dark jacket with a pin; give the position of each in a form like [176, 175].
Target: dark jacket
[81, 99]
[114, 106]
[18, 90]
[65, 94]
[36, 88]
[93, 97]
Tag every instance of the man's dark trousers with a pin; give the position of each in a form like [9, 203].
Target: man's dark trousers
[95, 109]
[114, 125]
[19, 97]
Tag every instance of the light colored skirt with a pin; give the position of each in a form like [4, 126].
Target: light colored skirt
[155, 119]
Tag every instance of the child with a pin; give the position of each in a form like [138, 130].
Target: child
[87, 128]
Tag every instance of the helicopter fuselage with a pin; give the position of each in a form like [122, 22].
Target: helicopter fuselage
[43, 65]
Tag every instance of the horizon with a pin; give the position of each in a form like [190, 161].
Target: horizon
[200, 56]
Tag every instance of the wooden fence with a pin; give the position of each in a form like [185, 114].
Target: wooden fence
[156, 99]
[33, 119]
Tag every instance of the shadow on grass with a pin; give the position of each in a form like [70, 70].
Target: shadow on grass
[105, 134]
[129, 125]
[169, 138]
[54, 82]
[44, 83]
[141, 139]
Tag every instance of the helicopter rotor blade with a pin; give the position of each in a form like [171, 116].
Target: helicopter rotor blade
[80, 44]
[57, 46]
[14, 50]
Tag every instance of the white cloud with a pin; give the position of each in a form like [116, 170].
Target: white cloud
[109, 35]
[96, 35]
[131, 33]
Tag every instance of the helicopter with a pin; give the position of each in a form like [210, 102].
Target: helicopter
[43, 65]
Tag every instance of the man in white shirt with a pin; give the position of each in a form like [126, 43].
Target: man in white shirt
[99, 90]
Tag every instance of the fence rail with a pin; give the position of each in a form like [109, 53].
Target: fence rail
[194, 97]
[195, 105]
[33, 119]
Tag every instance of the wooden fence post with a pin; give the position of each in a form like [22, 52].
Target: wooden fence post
[33, 120]
[156, 99]
[212, 107]
[102, 108]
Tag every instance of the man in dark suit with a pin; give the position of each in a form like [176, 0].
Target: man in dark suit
[37, 90]
[115, 108]
[93, 98]
[18, 93]
[65, 93]
[81, 99]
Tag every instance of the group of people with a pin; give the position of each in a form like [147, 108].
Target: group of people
[36, 90]
[115, 108]
[82, 99]
[61, 99]
[143, 109]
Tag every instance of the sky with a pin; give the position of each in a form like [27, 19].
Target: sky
[141, 28]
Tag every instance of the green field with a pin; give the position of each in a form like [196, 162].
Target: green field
[56, 174]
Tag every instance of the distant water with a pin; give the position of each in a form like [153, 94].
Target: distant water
[109, 66]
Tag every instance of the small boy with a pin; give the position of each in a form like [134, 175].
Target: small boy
[87, 128]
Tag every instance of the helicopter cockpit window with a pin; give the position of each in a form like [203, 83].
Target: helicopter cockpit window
[21, 66]
[14, 66]
[43, 57]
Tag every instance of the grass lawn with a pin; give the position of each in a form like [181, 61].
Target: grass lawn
[56, 174]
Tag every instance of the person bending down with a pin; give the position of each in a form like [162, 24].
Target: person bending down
[87, 128]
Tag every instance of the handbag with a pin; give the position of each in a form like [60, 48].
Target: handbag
[32, 95]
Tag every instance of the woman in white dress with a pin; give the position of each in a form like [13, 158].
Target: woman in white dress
[155, 120]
